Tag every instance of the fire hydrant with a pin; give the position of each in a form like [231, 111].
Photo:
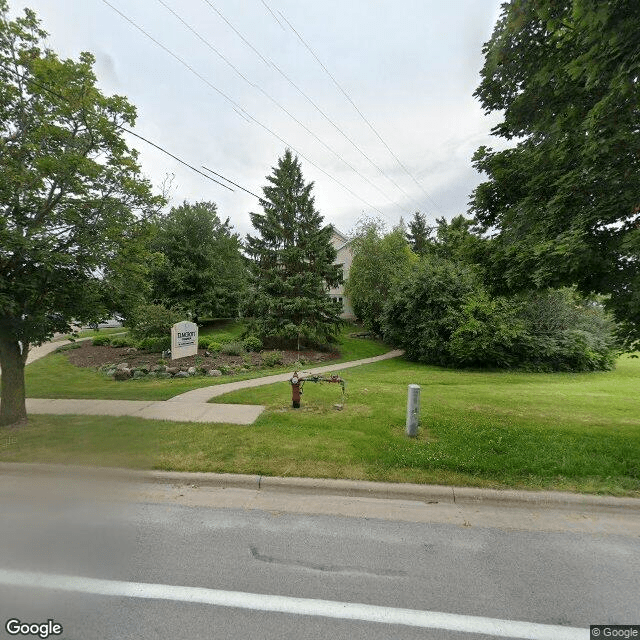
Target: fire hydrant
[297, 381]
[296, 390]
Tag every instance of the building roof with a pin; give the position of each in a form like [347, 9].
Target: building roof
[345, 239]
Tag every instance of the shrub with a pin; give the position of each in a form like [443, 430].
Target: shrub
[122, 342]
[155, 345]
[232, 348]
[101, 341]
[444, 316]
[214, 346]
[203, 342]
[272, 358]
[221, 337]
[427, 308]
[490, 334]
[252, 343]
[152, 321]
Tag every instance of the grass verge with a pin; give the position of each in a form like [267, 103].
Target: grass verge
[578, 432]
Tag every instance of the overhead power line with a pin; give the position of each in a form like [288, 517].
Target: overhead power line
[233, 103]
[133, 133]
[270, 62]
[268, 8]
[272, 99]
[348, 97]
[235, 184]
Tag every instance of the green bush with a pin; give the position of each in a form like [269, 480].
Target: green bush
[203, 342]
[122, 342]
[101, 341]
[214, 346]
[443, 315]
[427, 308]
[252, 343]
[490, 334]
[272, 358]
[232, 348]
[155, 345]
[152, 321]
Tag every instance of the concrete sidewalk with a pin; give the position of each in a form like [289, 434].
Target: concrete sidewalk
[206, 393]
[151, 410]
[191, 406]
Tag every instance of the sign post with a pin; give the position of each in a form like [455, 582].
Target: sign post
[184, 339]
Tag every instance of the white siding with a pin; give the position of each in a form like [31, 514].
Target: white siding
[344, 258]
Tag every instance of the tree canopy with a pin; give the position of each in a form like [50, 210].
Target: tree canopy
[419, 233]
[292, 262]
[563, 203]
[381, 261]
[198, 267]
[71, 195]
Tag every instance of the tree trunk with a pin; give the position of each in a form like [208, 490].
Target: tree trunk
[13, 409]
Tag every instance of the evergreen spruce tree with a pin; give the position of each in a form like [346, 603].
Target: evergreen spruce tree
[292, 263]
[419, 234]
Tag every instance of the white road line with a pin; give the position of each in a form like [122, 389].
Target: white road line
[298, 606]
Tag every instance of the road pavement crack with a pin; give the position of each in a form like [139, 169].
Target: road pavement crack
[386, 573]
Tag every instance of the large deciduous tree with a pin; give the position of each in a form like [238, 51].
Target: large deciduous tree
[293, 262]
[199, 267]
[70, 195]
[381, 261]
[564, 201]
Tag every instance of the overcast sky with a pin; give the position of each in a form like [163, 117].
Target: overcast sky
[409, 66]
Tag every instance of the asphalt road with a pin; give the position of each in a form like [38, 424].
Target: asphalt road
[239, 562]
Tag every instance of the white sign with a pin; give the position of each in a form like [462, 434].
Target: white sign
[184, 339]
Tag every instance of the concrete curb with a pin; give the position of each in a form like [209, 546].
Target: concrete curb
[348, 488]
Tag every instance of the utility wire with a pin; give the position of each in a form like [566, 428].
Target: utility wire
[312, 102]
[236, 105]
[348, 97]
[273, 100]
[130, 132]
[232, 182]
[268, 8]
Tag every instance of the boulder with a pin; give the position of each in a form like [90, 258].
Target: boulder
[215, 373]
[181, 374]
[172, 370]
[138, 373]
[191, 371]
[159, 368]
[122, 374]
[123, 365]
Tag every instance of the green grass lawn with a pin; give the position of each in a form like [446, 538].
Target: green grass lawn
[576, 432]
[54, 377]
[90, 333]
[228, 329]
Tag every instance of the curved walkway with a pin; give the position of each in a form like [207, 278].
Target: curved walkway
[206, 393]
[191, 406]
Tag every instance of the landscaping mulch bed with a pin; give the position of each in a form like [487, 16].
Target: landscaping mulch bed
[89, 356]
